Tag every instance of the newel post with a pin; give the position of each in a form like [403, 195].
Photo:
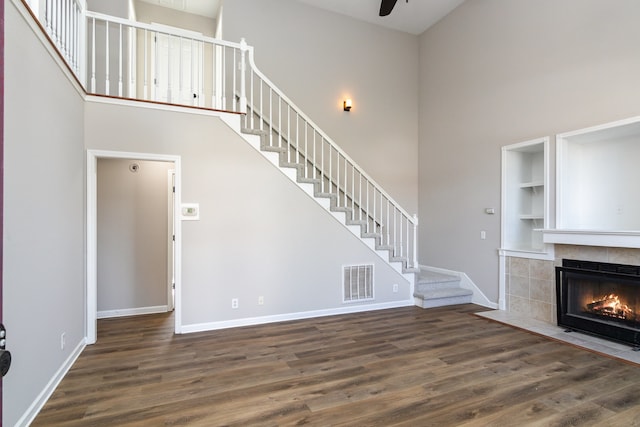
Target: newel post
[243, 75]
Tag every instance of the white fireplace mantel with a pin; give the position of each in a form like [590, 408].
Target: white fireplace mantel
[618, 239]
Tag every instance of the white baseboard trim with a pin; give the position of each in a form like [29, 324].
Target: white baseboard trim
[132, 311]
[252, 321]
[465, 282]
[37, 405]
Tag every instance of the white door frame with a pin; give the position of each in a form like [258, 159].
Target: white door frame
[91, 304]
[171, 231]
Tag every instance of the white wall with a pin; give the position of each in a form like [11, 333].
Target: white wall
[132, 231]
[258, 233]
[497, 72]
[43, 217]
[318, 58]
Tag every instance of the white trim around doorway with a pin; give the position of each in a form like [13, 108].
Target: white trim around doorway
[91, 304]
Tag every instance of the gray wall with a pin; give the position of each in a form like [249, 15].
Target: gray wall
[496, 72]
[43, 216]
[318, 58]
[248, 241]
[132, 230]
[118, 8]
[149, 13]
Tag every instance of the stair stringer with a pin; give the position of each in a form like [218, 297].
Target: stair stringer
[323, 200]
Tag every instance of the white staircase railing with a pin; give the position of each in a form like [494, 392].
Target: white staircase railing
[303, 145]
[64, 22]
[152, 62]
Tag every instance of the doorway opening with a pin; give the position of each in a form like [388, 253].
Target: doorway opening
[119, 207]
[177, 67]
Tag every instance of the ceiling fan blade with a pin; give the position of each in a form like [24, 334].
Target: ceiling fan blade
[386, 7]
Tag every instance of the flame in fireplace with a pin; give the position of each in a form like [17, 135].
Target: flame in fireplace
[610, 306]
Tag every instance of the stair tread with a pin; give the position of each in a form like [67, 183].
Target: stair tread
[320, 194]
[309, 180]
[250, 131]
[433, 277]
[373, 235]
[291, 165]
[342, 209]
[273, 149]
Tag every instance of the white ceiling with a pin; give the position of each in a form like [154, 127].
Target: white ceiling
[413, 17]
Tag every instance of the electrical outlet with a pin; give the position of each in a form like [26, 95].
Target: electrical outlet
[63, 340]
[260, 300]
[395, 287]
[234, 303]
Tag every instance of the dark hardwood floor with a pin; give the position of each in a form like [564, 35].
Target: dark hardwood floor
[399, 367]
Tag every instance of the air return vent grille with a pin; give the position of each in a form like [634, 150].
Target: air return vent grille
[357, 283]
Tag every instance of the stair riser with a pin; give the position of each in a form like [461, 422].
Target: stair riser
[441, 302]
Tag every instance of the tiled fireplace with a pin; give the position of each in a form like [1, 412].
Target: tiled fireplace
[530, 283]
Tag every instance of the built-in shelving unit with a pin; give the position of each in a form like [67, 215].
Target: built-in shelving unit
[598, 182]
[524, 195]
[598, 177]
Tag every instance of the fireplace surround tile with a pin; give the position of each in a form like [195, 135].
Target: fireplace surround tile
[519, 305]
[520, 286]
[519, 267]
[624, 256]
[587, 253]
[531, 288]
[542, 311]
[540, 270]
[543, 290]
[530, 283]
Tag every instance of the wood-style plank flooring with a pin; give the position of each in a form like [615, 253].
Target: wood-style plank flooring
[399, 367]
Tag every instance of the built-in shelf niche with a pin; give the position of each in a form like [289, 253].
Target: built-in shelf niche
[524, 195]
[598, 178]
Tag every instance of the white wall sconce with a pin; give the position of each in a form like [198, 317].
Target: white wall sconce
[347, 104]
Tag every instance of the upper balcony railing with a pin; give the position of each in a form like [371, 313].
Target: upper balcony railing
[165, 64]
[123, 58]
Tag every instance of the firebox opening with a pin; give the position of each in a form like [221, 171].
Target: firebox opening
[600, 298]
